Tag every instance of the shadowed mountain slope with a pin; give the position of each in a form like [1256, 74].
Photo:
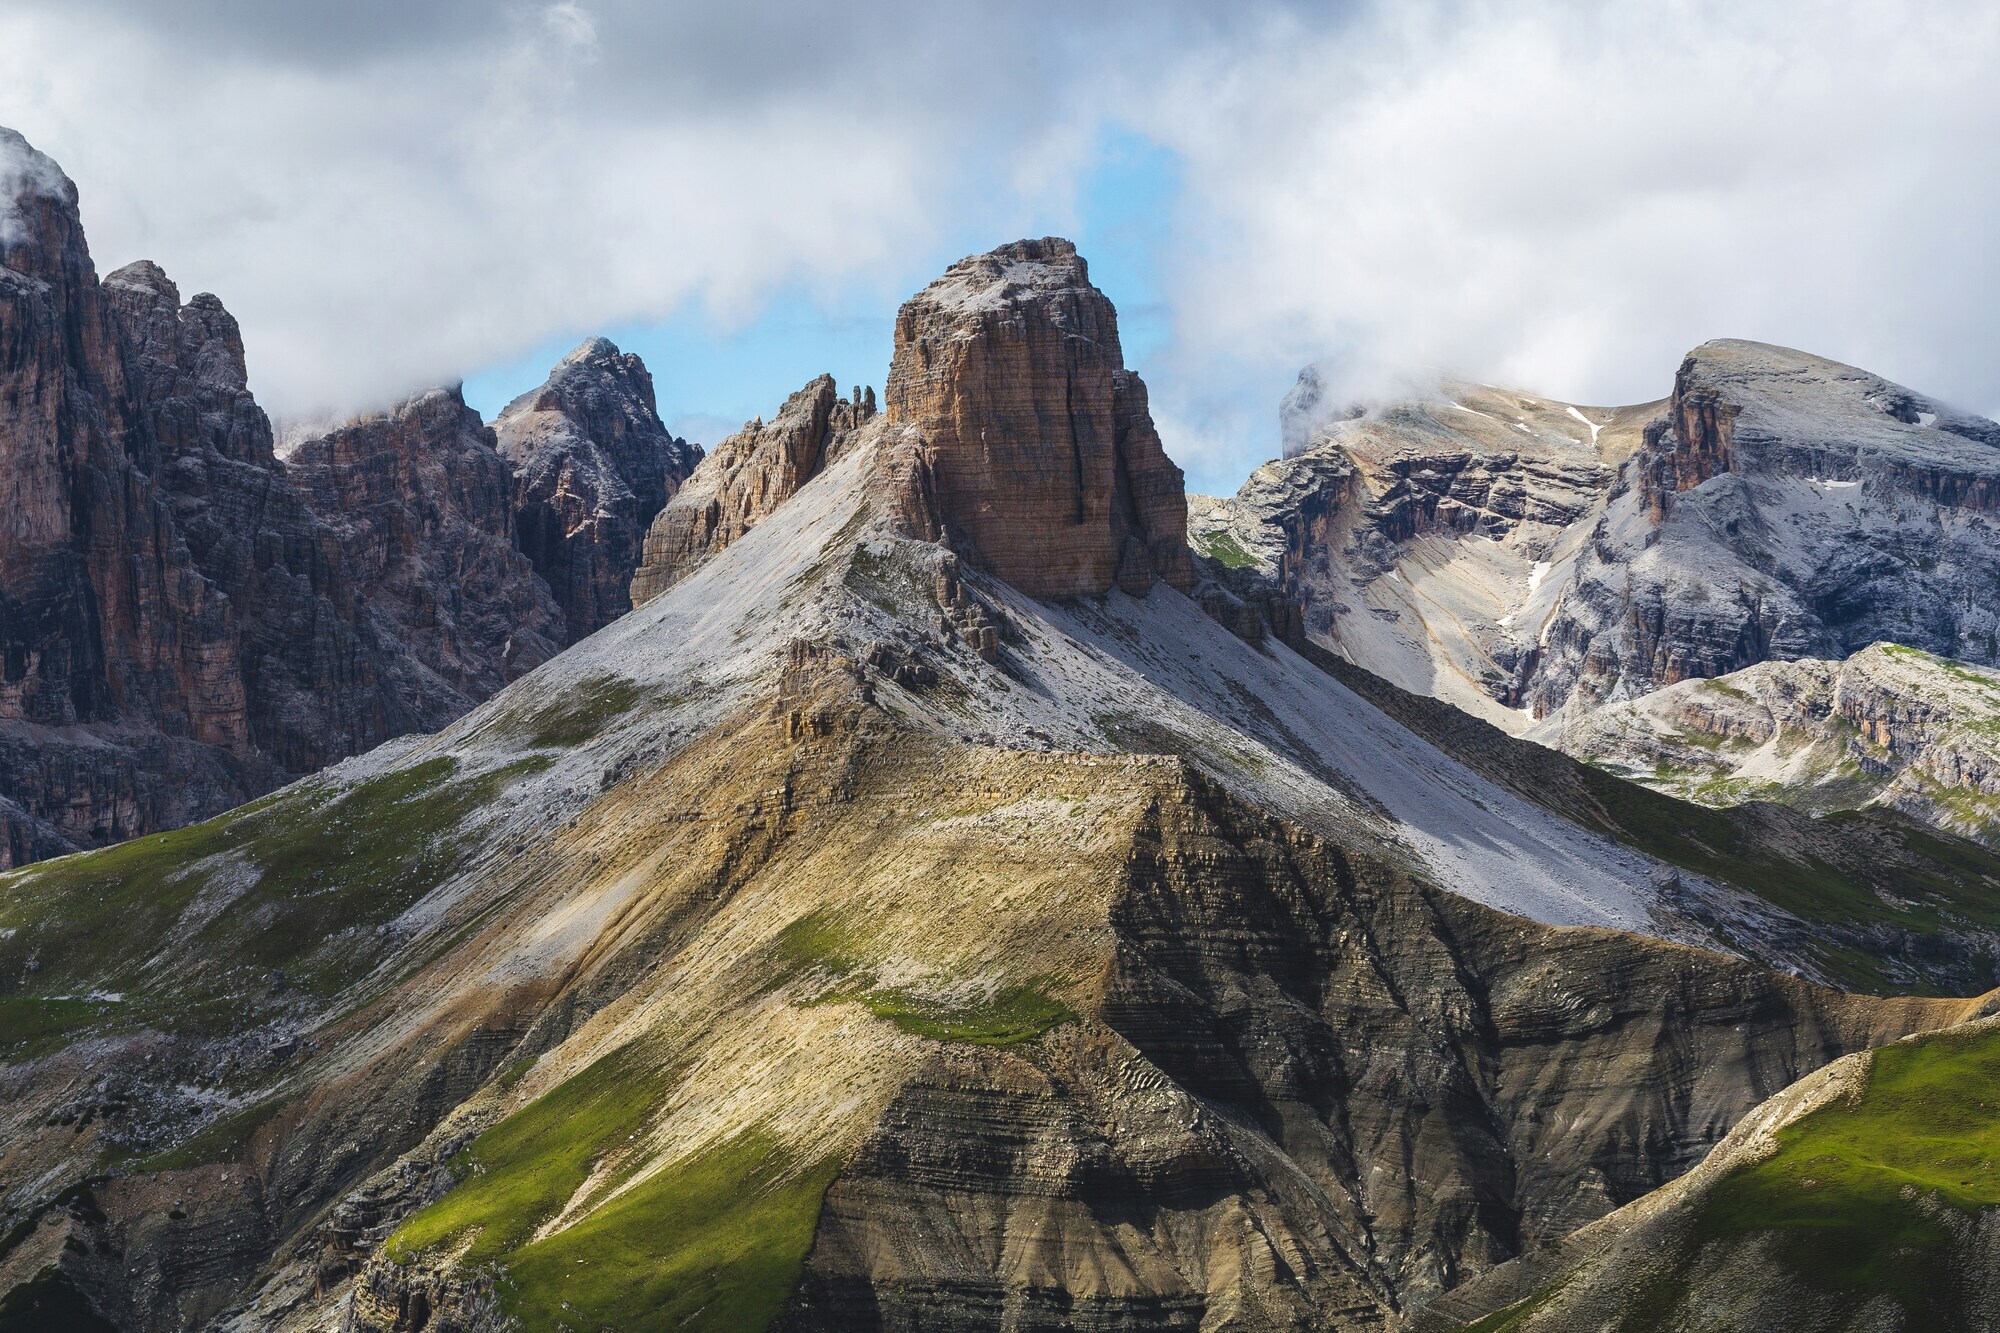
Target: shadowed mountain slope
[845, 939]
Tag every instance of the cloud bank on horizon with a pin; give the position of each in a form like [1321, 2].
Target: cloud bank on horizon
[1564, 196]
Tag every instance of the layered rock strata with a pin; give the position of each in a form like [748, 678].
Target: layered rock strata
[1417, 539]
[1050, 472]
[1783, 506]
[1008, 367]
[1518, 556]
[423, 505]
[593, 466]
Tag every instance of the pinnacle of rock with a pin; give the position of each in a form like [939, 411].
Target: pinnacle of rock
[593, 465]
[1049, 471]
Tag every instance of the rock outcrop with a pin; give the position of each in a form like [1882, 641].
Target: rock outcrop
[1783, 506]
[1417, 538]
[593, 466]
[1521, 557]
[1890, 726]
[319, 682]
[746, 477]
[105, 620]
[1049, 471]
[423, 505]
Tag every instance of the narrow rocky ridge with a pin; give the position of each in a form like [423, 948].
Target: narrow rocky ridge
[189, 620]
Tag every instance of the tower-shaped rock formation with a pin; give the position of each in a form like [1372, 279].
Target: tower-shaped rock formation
[1048, 469]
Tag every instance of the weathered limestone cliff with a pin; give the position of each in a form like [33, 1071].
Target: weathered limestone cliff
[104, 617]
[1784, 506]
[319, 682]
[593, 466]
[1418, 538]
[1523, 558]
[746, 477]
[1049, 470]
[423, 505]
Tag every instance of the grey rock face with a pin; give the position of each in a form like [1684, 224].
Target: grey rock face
[593, 466]
[423, 505]
[1519, 556]
[1418, 538]
[1784, 506]
[188, 620]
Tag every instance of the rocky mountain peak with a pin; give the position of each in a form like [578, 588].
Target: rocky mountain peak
[747, 476]
[593, 465]
[1049, 471]
[32, 190]
[188, 363]
[1809, 416]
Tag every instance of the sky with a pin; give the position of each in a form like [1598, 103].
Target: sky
[1560, 196]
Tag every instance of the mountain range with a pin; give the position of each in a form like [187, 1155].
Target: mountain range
[914, 867]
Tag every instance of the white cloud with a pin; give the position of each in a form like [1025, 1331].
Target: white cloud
[1567, 197]
[24, 173]
[437, 202]
[1561, 195]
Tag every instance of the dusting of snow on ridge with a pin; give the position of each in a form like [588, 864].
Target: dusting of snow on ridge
[1594, 427]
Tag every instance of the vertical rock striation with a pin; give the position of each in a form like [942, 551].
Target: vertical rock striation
[593, 466]
[1048, 468]
[319, 683]
[747, 476]
[104, 616]
[423, 504]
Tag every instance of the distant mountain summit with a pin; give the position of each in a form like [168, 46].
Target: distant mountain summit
[593, 465]
[188, 620]
[1524, 558]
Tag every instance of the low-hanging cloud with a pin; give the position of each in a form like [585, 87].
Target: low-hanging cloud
[1568, 197]
[1564, 196]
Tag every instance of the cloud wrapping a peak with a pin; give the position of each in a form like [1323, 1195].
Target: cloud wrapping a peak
[24, 172]
[1564, 196]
